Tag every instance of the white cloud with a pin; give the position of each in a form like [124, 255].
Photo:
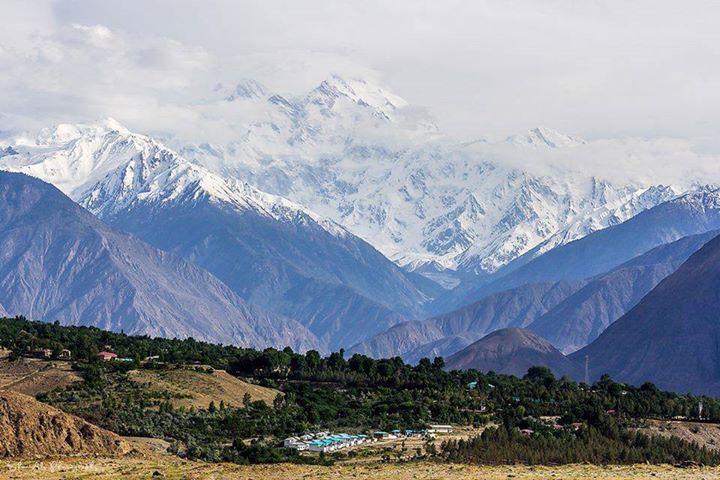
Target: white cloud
[491, 67]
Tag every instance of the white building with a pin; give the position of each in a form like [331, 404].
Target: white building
[440, 429]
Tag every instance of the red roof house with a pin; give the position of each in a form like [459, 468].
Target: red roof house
[107, 356]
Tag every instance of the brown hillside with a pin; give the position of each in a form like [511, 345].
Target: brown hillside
[29, 428]
[197, 389]
[33, 376]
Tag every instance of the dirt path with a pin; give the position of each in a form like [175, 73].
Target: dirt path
[34, 376]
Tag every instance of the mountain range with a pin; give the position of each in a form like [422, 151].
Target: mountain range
[339, 218]
[687, 214]
[268, 250]
[569, 313]
[59, 262]
[361, 155]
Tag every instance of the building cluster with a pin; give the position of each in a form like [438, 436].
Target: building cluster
[330, 442]
[63, 354]
[325, 441]
[108, 355]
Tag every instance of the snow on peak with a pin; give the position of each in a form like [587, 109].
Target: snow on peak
[358, 91]
[72, 155]
[247, 88]
[106, 168]
[167, 178]
[546, 138]
[67, 132]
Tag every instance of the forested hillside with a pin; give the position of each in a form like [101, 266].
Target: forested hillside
[358, 394]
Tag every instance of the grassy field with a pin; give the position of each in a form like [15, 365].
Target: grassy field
[144, 466]
[198, 388]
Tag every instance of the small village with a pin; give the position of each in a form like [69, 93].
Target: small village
[330, 442]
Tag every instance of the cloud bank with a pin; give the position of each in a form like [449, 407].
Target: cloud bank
[603, 69]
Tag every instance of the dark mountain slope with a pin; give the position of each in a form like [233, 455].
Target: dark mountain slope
[58, 262]
[672, 337]
[513, 308]
[581, 317]
[439, 348]
[568, 314]
[340, 287]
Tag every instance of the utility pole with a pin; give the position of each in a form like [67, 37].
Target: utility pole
[587, 370]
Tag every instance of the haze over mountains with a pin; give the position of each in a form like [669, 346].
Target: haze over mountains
[341, 218]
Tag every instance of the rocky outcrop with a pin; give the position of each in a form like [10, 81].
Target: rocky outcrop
[30, 429]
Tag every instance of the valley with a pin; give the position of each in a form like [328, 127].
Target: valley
[176, 401]
[405, 240]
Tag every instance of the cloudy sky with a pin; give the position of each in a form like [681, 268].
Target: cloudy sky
[594, 68]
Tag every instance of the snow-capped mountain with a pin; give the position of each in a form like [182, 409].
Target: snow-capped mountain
[106, 168]
[288, 212]
[354, 152]
[364, 157]
[267, 249]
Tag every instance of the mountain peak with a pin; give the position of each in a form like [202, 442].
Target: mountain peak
[546, 138]
[66, 132]
[247, 88]
[111, 124]
[512, 351]
[358, 91]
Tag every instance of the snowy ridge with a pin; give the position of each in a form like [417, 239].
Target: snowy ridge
[106, 168]
[353, 152]
[542, 137]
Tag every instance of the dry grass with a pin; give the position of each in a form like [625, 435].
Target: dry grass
[145, 466]
[200, 388]
[33, 376]
[704, 434]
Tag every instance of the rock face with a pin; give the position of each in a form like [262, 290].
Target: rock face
[30, 429]
[512, 351]
[58, 262]
[671, 337]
